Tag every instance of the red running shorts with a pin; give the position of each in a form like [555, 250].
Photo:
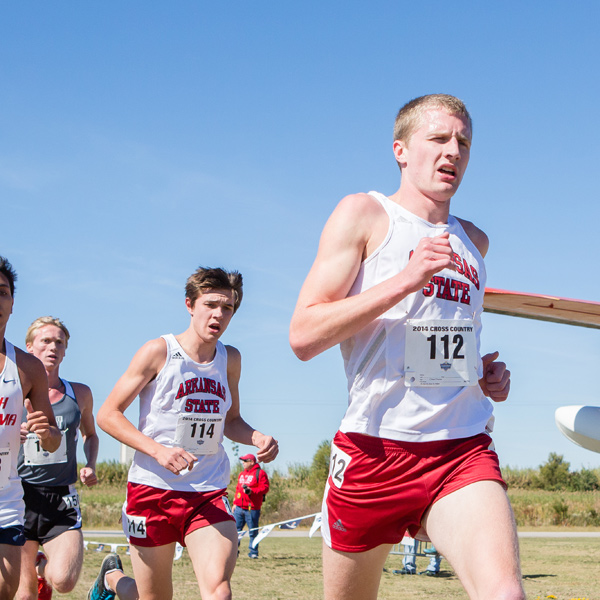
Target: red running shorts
[378, 488]
[155, 517]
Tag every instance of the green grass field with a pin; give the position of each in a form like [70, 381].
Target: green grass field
[290, 568]
[561, 568]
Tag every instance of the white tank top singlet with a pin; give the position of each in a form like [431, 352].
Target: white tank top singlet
[11, 413]
[185, 389]
[379, 402]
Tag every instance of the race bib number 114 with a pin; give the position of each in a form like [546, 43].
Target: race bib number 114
[136, 526]
[199, 434]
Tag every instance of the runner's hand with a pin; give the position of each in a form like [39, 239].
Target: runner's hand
[175, 459]
[430, 256]
[268, 448]
[88, 476]
[495, 382]
[37, 421]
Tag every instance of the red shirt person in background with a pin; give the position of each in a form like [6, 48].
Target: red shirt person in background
[252, 487]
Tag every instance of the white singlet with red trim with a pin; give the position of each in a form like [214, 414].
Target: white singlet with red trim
[11, 412]
[380, 403]
[185, 389]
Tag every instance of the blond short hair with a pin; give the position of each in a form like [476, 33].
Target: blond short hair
[42, 322]
[409, 117]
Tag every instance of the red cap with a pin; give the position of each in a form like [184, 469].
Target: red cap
[248, 457]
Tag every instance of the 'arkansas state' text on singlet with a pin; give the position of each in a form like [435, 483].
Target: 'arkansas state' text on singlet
[379, 403]
[185, 389]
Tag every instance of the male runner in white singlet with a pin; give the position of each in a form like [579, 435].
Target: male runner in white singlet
[52, 514]
[398, 282]
[188, 389]
[23, 383]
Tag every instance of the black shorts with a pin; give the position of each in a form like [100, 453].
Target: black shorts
[50, 511]
[12, 536]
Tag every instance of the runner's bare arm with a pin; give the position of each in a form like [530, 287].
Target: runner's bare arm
[85, 400]
[40, 417]
[324, 316]
[144, 367]
[236, 428]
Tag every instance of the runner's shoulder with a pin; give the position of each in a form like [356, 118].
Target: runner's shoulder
[476, 235]
[81, 390]
[28, 364]
[151, 356]
[234, 356]
[361, 205]
[357, 216]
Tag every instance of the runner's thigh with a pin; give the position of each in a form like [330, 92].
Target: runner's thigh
[153, 571]
[65, 557]
[353, 575]
[213, 550]
[474, 529]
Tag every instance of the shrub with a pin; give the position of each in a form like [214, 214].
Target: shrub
[520, 478]
[299, 474]
[584, 481]
[554, 474]
[561, 512]
[319, 469]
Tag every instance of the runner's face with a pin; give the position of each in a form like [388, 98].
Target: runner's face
[49, 345]
[211, 313]
[436, 156]
[6, 301]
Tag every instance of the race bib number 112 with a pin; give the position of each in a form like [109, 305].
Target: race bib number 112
[337, 465]
[440, 352]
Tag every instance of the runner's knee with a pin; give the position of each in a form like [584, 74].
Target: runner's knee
[217, 588]
[64, 583]
[8, 589]
[222, 592]
[511, 590]
[28, 588]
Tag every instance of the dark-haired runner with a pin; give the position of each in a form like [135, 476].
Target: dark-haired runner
[23, 384]
[188, 389]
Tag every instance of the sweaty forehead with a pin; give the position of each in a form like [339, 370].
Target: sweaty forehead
[224, 296]
[50, 331]
[439, 119]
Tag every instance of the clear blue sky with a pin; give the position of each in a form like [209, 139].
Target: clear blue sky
[140, 140]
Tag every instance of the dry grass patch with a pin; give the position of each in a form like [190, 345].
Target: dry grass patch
[290, 568]
[542, 508]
